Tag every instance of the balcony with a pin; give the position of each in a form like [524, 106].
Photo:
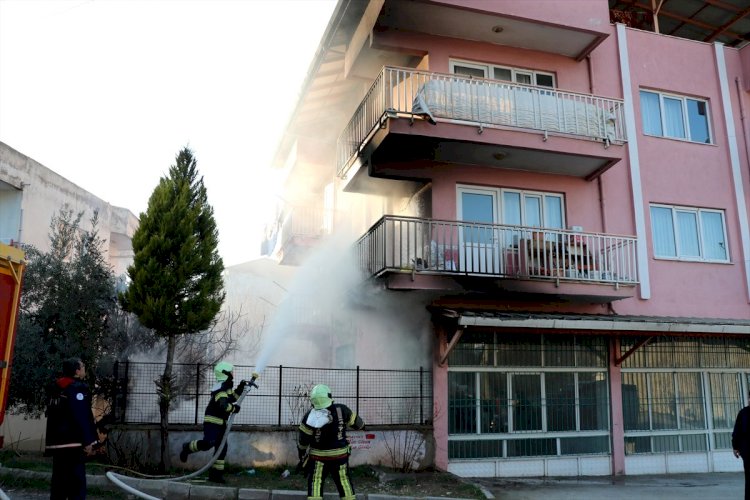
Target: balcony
[411, 253]
[301, 229]
[408, 116]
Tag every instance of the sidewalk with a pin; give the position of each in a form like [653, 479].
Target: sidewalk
[719, 485]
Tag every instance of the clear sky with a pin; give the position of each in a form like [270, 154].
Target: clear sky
[106, 93]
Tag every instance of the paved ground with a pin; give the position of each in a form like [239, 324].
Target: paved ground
[717, 486]
[721, 486]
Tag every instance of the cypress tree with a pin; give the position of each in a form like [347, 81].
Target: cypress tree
[176, 277]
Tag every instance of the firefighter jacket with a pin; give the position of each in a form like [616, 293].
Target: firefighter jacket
[70, 422]
[322, 433]
[222, 403]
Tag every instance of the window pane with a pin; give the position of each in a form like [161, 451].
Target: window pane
[494, 402]
[461, 403]
[545, 81]
[584, 445]
[527, 403]
[675, 124]
[553, 212]
[469, 71]
[691, 401]
[687, 230]
[651, 113]
[561, 401]
[698, 121]
[503, 74]
[663, 232]
[714, 246]
[663, 409]
[532, 211]
[524, 78]
[725, 398]
[593, 401]
[511, 208]
[478, 208]
[635, 401]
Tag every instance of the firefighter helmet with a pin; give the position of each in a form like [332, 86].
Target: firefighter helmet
[320, 397]
[220, 368]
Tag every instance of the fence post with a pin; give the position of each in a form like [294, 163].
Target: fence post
[421, 396]
[356, 405]
[125, 395]
[197, 389]
[117, 390]
[280, 378]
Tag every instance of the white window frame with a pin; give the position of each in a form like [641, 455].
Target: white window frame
[489, 72]
[498, 194]
[685, 119]
[699, 227]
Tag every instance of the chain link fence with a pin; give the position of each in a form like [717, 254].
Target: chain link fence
[381, 397]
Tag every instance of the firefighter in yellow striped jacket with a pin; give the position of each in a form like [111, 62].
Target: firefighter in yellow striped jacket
[221, 405]
[323, 448]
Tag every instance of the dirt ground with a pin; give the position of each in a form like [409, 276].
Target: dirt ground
[366, 479]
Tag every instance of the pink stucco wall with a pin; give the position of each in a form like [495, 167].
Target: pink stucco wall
[671, 171]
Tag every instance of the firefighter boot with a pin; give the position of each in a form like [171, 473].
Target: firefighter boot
[216, 476]
[185, 452]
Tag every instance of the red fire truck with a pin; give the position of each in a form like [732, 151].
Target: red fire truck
[12, 265]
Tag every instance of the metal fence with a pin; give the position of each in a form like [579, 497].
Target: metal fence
[381, 397]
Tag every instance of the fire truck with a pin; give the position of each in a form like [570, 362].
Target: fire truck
[12, 266]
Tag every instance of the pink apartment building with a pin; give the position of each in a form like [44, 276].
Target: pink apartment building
[567, 197]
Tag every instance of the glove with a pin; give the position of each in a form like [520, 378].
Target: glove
[240, 387]
[235, 408]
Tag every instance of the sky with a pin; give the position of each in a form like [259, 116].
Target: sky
[107, 92]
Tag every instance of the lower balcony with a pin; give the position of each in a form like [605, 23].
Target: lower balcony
[411, 253]
[301, 229]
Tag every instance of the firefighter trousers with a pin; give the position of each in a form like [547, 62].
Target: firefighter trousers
[338, 469]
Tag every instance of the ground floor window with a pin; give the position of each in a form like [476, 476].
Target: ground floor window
[683, 394]
[519, 396]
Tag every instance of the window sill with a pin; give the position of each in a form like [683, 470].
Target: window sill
[695, 261]
[688, 141]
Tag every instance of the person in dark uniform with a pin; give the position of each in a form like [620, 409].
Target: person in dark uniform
[322, 445]
[71, 432]
[220, 406]
[741, 444]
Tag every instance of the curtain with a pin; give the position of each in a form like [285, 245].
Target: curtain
[663, 232]
[714, 246]
[553, 212]
[673, 118]
[651, 113]
[687, 230]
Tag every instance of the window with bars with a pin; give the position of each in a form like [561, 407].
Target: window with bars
[530, 396]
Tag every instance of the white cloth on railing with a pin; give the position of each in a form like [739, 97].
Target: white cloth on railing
[500, 104]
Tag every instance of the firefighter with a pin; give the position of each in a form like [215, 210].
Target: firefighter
[322, 445]
[221, 405]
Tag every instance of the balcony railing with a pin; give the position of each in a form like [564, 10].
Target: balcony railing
[480, 102]
[306, 222]
[414, 245]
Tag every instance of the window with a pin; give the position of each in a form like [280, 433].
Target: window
[521, 208]
[675, 116]
[687, 233]
[505, 74]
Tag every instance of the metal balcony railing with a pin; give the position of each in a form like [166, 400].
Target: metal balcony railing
[480, 102]
[306, 222]
[414, 245]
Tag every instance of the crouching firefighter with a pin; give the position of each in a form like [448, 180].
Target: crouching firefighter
[221, 405]
[322, 445]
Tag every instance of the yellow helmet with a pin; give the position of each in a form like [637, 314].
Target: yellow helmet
[320, 397]
[220, 368]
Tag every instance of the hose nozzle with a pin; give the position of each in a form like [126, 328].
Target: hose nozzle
[253, 379]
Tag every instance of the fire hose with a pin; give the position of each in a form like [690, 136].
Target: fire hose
[117, 479]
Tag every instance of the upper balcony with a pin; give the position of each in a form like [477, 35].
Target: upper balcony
[411, 253]
[410, 118]
[300, 230]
